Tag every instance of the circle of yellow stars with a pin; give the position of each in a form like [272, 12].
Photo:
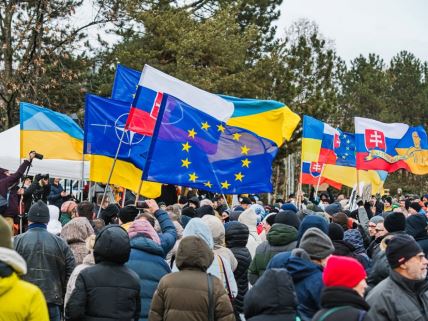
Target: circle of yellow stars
[185, 162]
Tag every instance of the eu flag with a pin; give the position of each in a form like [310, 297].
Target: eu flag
[192, 148]
[345, 150]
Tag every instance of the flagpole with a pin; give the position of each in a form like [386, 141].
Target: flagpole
[137, 197]
[225, 200]
[111, 171]
[299, 189]
[319, 180]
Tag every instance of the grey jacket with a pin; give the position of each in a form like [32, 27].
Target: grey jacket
[49, 261]
[399, 299]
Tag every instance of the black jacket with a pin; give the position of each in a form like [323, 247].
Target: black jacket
[108, 290]
[6, 182]
[49, 260]
[416, 226]
[340, 303]
[272, 298]
[54, 196]
[236, 240]
[36, 192]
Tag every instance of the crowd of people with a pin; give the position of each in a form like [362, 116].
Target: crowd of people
[195, 258]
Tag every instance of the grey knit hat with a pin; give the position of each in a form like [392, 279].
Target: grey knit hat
[377, 219]
[39, 213]
[316, 243]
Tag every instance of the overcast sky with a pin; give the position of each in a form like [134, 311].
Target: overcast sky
[384, 27]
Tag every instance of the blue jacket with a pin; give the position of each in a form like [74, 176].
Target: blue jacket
[169, 233]
[146, 259]
[307, 278]
[55, 197]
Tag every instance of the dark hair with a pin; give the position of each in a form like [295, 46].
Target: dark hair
[97, 225]
[86, 209]
[149, 217]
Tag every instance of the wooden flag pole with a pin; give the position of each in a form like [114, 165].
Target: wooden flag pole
[137, 196]
[319, 180]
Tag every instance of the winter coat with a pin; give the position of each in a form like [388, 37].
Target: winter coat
[8, 181]
[249, 218]
[49, 259]
[55, 197]
[147, 261]
[236, 240]
[281, 238]
[399, 299]
[307, 278]
[184, 295]
[341, 303]
[36, 192]
[416, 227]
[272, 298]
[197, 227]
[19, 300]
[354, 237]
[71, 284]
[168, 236]
[107, 290]
[75, 234]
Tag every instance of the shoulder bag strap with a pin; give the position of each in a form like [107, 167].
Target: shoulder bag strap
[330, 312]
[226, 278]
[210, 299]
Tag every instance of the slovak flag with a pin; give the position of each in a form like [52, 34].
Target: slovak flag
[311, 174]
[390, 147]
[316, 169]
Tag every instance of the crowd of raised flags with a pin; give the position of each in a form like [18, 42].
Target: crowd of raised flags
[158, 129]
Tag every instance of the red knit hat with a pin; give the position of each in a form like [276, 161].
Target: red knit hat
[343, 271]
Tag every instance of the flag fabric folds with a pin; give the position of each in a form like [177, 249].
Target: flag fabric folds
[192, 148]
[335, 152]
[312, 173]
[391, 147]
[50, 133]
[267, 118]
[105, 121]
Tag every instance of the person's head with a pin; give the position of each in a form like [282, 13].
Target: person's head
[97, 224]
[146, 215]
[225, 215]
[5, 234]
[86, 209]
[345, 272]
[110, 213]
[112, 245]
[414, 208]
[387, 201]
[194, 202]
[324, 199]
[38, 213]
[128, 214]
[245, 202]
[395, 222]
[70, 208]
[373, 223]
[406, 257]
[268, 221]
[312, 221]
[289, 218]
[100, 201]
[56, 180]
[217, 229]
[193, 253]
[27, 181]
[380, 230]
[142, 228]
[317, 245]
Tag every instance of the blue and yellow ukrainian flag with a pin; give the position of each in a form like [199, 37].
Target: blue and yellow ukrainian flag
[50, 133]
[269, 119]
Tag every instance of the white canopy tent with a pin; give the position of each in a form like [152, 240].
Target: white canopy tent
[9, 159]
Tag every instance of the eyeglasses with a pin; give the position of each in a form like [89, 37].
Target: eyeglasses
[379, 230]
[372, 226]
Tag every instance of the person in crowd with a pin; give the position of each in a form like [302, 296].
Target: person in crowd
[54, 225]
[416, 208]
[387, 204]
[312, 221]
[288, 217]
[39, 189]
[19, 300]
[147, 261]
[175, 297]
[281, 238]
[353, 237]
[68, 211]
[395, 223]
[187, 214]
[77, 231]
[249, 218]
[110, 213]
[107, 290]
[236, 240]
[372, 225]
[57, 193]
[380, 233]
[220, 267]
[305, 265]
[272, 298]
[343, 296]
[193, 202]
[127, 215]
[416, 226]
[218, 233]
[245, 202]
[49, 259]
[404, 294]
[87, 262]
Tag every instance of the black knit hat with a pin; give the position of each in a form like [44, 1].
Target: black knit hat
[289, 218]
[128, 213]
[416, 206]
[39, 213]
[335, 232]
[400, 249]
[189, 211]
[395, 222]
[245, 200]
